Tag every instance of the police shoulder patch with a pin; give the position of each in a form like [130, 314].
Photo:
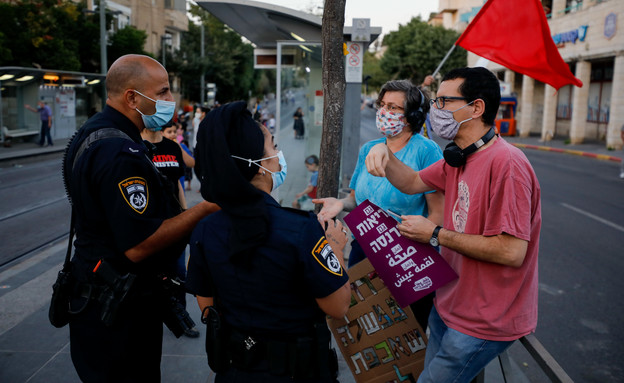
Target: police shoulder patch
[134, 191]
[324, 255]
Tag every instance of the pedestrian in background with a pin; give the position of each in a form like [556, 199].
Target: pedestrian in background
[490, 236]
[298, 125]
[45, 115]
[401, 109]
[127, 232]
[271, 272]
[303, 200]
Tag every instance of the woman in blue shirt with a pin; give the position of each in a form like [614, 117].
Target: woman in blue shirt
[401, 112]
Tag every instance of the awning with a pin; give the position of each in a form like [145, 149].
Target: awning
[265, 24]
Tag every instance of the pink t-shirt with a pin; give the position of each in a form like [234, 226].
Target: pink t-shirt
[495, 192]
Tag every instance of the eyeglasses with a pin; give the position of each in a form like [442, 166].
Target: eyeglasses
[440, 101]
[391, 107]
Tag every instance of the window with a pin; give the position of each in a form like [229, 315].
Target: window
[564, 103]
[599, 101]
[573, 6]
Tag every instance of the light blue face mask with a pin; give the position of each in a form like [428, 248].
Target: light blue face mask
[277, 177]
[164, 113]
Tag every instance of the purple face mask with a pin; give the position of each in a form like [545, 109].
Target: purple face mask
[443, 124]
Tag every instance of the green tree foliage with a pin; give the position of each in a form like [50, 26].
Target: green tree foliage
[228, 60]
[417, 48]
[47, 33]
[128, 40]
[373, 69]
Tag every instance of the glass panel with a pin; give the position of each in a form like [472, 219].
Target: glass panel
[605, 102]
[564, 103]
[593, 102]
[298, 132]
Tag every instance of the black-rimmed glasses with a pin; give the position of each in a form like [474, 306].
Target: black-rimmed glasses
[440, 101]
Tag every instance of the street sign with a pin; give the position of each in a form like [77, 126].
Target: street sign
[361, 30]
[355, 62]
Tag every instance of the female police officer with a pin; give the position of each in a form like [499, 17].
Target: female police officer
[271, 270]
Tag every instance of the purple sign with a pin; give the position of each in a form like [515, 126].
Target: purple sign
[410, 269]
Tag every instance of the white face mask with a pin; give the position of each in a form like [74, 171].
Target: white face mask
[443, 124]
[277, 177]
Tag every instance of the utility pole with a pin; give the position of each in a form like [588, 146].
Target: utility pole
[202, 80]
[103, 46]
[103, 41]
[334, 97]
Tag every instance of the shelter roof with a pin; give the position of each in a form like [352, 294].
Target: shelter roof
[265, 24]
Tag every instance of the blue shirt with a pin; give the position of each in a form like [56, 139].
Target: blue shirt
[418, 154]
[275, 297]
[44, 112]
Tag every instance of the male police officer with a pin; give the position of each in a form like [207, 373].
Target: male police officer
[127, 230]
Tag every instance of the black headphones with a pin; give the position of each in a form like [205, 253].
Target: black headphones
[456, 157]
[416, 118]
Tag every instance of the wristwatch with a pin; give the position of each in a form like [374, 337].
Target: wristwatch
[434, 237]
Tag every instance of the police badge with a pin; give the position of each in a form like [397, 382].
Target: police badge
[324, 255]
[134, 191]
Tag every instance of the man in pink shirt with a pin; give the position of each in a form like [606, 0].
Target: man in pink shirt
[492, 221]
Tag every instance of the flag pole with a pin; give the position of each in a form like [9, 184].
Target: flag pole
[443, 60]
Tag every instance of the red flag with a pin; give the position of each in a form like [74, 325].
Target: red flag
[515, 34]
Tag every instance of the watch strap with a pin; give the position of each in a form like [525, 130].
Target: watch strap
[436, 231]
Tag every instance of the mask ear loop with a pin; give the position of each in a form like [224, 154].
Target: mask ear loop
[250, 161]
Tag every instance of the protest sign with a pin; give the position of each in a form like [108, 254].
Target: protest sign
[410, 269]
[380, 341]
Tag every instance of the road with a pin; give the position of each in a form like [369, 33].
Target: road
[580, 251]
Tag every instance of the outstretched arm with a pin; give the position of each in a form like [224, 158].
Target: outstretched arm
[381, 162]
[333, 206]
[171, 231]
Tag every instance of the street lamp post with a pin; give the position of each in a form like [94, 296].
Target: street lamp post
[103, 42]
[162, 39]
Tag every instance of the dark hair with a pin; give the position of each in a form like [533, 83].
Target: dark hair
[312, 160]
[479, 83]
[416, 104]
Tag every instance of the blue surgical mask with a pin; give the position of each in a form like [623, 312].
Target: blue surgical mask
[277, 177]
[164, 113]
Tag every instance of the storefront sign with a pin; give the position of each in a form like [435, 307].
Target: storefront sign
[610, 25]
[410, 269]
[571, 36]
[380, 341]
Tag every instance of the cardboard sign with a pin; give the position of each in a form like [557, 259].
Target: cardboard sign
[410, 269]
[380, 341]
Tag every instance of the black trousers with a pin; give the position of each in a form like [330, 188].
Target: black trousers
[128, 351]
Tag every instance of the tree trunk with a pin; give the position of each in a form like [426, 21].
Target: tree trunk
[333, 97]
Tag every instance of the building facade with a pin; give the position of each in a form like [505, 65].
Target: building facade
[590, 38]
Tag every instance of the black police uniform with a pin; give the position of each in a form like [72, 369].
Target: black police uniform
[274, 298]
[119, 200]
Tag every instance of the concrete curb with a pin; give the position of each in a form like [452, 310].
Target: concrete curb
[603, 157]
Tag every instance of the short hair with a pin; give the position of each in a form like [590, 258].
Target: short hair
[128, 72]
[413, 101]
[479, 83]
[312, 160]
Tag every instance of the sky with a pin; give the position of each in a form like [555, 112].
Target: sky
[386, 14]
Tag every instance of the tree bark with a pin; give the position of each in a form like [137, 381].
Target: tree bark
[334, 97]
